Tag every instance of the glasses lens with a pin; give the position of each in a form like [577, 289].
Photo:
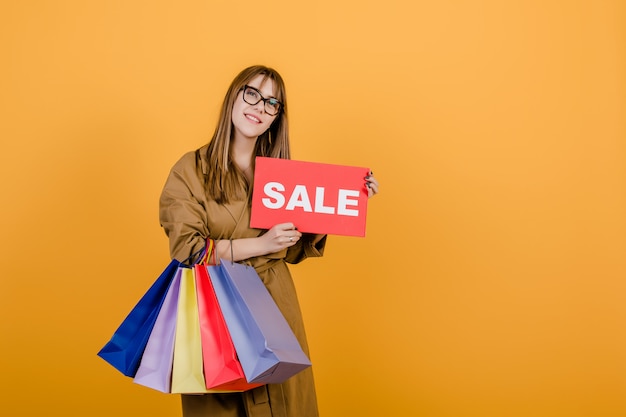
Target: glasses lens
[272, 106]
[250, 95]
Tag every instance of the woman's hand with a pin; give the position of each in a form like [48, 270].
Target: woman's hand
[372, 185]
[280, 236]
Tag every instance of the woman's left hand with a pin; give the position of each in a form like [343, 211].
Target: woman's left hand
[371, 184]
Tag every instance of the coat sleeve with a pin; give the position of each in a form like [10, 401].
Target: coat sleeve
[306, 249]
[181, 212]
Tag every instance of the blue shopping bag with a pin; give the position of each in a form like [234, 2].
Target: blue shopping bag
[266, 346]
[127, 344]
[155, 368]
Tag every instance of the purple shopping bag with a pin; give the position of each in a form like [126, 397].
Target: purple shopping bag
[266, 346]
[155, 368]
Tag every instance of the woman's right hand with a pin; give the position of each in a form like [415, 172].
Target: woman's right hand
[280, 236]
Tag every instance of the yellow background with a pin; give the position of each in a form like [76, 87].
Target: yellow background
[492, 278]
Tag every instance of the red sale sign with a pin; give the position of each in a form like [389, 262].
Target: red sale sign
[317, 198]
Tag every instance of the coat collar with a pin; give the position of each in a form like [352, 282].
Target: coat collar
[203, 159]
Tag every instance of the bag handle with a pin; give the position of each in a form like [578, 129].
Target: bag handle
[232, 256]
[190, 260]
[209, 251]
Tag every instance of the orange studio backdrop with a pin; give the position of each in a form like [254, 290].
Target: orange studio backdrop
[492, 276]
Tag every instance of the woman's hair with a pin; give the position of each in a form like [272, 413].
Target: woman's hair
[225, 181]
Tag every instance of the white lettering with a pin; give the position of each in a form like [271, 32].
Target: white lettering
[272, 189]
[299, 198]
[319, 202]
[344, 201]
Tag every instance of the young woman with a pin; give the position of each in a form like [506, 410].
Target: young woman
[207, 195]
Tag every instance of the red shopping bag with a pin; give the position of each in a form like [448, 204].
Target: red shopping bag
[222, 370]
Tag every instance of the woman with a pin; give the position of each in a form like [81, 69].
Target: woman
[207, 195]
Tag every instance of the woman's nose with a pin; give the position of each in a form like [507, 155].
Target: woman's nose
[260, 106]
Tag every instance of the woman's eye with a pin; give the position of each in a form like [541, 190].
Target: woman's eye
[252, 94]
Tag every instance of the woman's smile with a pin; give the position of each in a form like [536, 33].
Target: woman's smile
[252, 118]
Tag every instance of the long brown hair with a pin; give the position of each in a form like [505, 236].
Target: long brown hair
[225, 181]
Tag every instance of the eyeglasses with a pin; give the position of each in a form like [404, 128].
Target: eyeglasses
[252, 96]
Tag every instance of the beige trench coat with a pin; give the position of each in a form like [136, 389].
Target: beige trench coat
[189, 218]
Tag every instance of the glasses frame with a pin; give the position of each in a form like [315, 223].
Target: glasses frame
[263, 99]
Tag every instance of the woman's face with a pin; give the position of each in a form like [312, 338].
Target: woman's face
[251, 120]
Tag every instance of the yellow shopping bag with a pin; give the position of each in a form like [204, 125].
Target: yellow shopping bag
[187, 369]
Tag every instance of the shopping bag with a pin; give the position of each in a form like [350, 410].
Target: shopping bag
[266, 346]
[222, 369]
[127, 344]
[155, 368]
[187, 372]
